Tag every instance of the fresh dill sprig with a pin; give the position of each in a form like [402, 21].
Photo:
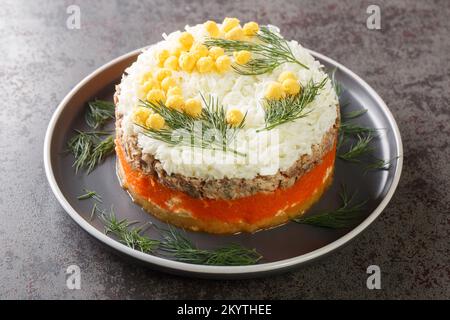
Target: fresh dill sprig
[269, 52]
[174, 118]
[82, 146]
[164, 135]
[173, 242]
[364, 135]
[100, 152]
[355, 129]
[291, 107]
[358, 149]
[354, 114]
[347, 215]
[213, 117]
[90, 194]
[379, 164]
[184, 250]
[98, 113]
[88, 147]
[130, 236]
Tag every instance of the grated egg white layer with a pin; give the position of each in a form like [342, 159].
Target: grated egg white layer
[282, 146]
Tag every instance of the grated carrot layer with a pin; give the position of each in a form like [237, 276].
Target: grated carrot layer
[249, 209]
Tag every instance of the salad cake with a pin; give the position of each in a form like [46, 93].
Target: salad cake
[226, 127]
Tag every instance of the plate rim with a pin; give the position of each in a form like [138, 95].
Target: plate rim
[205, 270]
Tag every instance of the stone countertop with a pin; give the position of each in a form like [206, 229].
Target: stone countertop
[407, 62]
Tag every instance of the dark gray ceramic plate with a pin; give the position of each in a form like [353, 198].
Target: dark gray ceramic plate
[284, 247]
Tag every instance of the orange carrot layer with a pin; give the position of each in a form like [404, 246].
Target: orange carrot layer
[249, 209]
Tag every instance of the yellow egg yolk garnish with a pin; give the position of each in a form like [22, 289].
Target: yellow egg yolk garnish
[205, 64]
[235, 34]
[242, 57]
[234, 117]
[168, 83]
[274, 91]
[163, 73]
[229, 23]
[156, 96]
[175, 102]
[291, 86]
[187, 61]
[212, 28]
[223, 63]
[171, 63]
[215, 52]
[155, 122]
[186, 39]
[193, 107]
[141, 115]
[250, 28]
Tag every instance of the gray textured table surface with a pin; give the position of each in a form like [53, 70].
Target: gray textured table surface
[407, 62]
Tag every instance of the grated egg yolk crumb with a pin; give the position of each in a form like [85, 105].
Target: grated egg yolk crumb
[193, 107]
[274, 91]
[242, 57]
[199, 50]
[167, 83]
[186, 39]
[155, 122]
[250, 28]
[235, 34]
[234, 117]
[163, 73]
[175, 102]
[229, 23]
[205, 64]
[215, 52]
[291, 86]
[146, 87]
[171, 63]
[187, 61]
[223, 63]
[141, 115]
[212, 28]
[155, 96]
[162, 56]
